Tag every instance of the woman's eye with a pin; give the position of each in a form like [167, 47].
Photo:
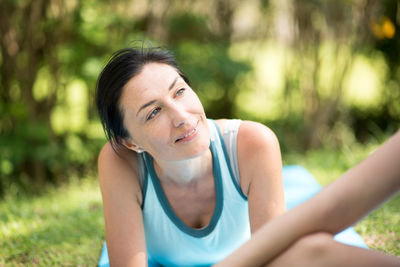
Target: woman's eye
[153, 113]
[180, 91]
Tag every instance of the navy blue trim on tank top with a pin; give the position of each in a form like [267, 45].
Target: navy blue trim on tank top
[145, 182]
[229, 164]
[167, 208]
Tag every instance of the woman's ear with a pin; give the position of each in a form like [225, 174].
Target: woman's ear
[132, 146]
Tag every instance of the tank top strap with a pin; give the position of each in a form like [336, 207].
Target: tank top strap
[231, 164]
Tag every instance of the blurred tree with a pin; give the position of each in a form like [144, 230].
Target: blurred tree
[36, 36]
[383, 21]
[340, 30]
[27, 43]
[312, 29]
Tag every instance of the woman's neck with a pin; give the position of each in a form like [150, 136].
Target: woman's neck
[186, 171]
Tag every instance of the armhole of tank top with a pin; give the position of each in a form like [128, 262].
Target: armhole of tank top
[231, 129]
[142, 178]
[229, 146]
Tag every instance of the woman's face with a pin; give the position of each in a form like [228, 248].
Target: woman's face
[163, 115]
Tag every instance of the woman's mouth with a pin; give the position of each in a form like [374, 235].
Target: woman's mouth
[189, 135]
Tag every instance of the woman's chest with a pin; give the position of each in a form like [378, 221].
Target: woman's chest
[193, 204]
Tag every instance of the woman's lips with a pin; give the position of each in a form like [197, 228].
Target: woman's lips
[189, 135]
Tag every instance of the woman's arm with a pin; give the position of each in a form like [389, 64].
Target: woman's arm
[336, 207]
[260, 167]
[122, 198]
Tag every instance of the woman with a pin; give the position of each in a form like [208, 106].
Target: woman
[171, 198]
[167, 188]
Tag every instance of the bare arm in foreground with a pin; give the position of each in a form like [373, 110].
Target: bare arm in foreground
[335, 208]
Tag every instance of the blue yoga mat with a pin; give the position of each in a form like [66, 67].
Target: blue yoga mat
[299, 185]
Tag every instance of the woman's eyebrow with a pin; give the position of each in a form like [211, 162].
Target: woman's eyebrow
[145, 106]
[153, 101]
[173, 83]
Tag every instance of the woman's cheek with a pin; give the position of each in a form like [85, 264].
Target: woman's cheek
[195, 101]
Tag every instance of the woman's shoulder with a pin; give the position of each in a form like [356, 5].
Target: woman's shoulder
[256, 145]
[117, 157]
[254, 134]
[250, 132]
[252, 137]
[118, 168]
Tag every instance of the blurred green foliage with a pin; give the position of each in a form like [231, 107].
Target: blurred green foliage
[317, 72]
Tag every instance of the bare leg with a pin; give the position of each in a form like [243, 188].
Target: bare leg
[321, 250]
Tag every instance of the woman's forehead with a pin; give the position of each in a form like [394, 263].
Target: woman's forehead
[153, 76]
[154, 79]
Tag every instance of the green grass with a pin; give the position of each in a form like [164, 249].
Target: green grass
[381, 228]
[64, 227]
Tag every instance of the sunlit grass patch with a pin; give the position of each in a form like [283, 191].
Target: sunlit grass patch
[64, 227]
[381, 229]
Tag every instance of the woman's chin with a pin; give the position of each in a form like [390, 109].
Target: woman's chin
[199, 150]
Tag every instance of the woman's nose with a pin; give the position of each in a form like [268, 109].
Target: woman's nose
[179, 115]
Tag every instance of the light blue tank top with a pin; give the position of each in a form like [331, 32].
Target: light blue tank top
[171, 242]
